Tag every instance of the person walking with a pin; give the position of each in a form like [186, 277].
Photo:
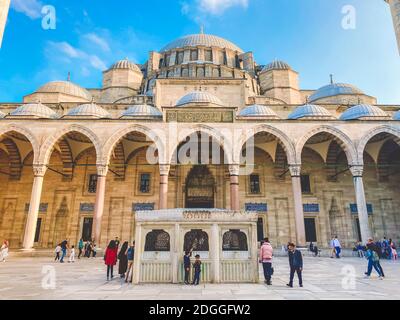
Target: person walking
[394, 251]
[88, 250]
[72, 255]
[80, 248]
[332, 245]
[296, 264]
[123, 260]
[197, 270]
[266, 252]
[373, 259]
[360, 250]
[57, 252]
[131, 256]
[4, 251]
[64, 247]
[337, 247]
[186, 265]
[110, 258]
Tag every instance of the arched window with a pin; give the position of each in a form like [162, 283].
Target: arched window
[196, 240]
[157, 240]
[234, 240]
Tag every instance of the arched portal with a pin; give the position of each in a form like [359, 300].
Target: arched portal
[199, 168]
[200, 188]
[380, 150]
[324, 175]
[17, 152]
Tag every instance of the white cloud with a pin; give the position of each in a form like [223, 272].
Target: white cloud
[217, 7]
[71, 53]
[97, 40]
[31, 8]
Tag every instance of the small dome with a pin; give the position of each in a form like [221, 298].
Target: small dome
[89, 110]
[310, 111]
[334, 89]
[364, 112]
[143, 110]
[199, 97]
[276, 65]
[34, 110]
[125, 64]
[257, 110]
[204, 40]
[65, 87]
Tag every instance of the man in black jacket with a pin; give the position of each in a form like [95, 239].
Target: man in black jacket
[296, 264]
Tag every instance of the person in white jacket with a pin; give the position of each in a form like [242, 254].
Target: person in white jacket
[4, 251]
[72, 255]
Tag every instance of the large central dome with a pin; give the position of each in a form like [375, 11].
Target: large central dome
[205, 40]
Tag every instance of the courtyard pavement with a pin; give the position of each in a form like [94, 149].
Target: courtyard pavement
[324, 278]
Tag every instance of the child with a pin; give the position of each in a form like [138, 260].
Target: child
[296, 264]
[72, 255]
[197, 270]
[94, 251]
[394, 252]
[57, 251]
[186, 265]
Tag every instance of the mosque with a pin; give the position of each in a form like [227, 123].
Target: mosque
[80, 162]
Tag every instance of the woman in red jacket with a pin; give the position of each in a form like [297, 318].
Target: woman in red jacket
[110, 258]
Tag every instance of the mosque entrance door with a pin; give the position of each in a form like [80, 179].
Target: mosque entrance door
[200, 187]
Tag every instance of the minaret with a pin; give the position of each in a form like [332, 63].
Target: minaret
[395, 8]
[4, 7]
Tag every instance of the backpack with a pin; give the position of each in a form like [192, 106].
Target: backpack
[375, 257]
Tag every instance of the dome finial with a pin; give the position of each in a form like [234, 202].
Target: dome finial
[202, 29]
[331, 76]
[69, 76]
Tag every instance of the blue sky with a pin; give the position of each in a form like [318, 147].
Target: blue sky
[90, 35]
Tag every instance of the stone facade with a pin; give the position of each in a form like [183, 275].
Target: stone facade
[68, 172]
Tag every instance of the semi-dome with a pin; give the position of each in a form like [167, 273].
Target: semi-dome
[364, 112]
[205, 40]
[334, 89]
[34, 110]
[310, 111]
[199, 97]
[276, 65]
[125, 64]
[65, 87]
[143, 110]
[89, 110]
[257, 110]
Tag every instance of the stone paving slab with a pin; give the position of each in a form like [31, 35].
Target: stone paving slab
[22, 277]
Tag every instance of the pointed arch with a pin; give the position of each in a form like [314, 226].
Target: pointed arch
[282, 138]
[395, 132]
[339, 136]
[49, 144]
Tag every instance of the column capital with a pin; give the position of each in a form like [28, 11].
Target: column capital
[357, 170]
[164, 169]
[102, 170]
[295, 170]
[234, 169]
[39, 170]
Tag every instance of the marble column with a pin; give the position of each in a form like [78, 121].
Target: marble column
[295, 171]
[164, 174]
[234, 179]
[99, 205]
[216, 249]
[357, 172]
[39, 171]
